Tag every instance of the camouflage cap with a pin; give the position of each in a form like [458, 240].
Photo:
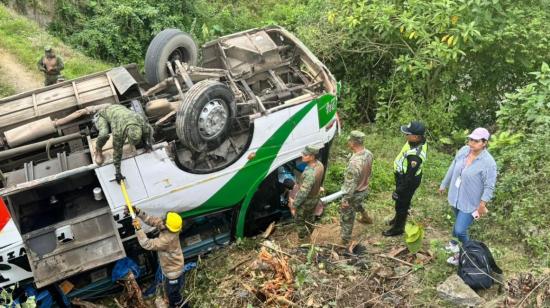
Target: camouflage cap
[357, 136]
[48, 48]
[311, 150]
[134, 134]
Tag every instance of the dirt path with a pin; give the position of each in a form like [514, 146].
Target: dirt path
[16, 75]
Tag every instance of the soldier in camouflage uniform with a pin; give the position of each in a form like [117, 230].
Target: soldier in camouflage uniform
[303, 206]
[355, 187]
[123, 123]
[51, 65]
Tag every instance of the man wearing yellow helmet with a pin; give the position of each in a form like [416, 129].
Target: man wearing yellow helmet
[168, 247]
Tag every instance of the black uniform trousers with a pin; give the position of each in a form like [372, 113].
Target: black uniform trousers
[405, 191]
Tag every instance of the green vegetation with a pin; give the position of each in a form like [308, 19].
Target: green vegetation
[6, 90]
[429, 210]
[24, 39]
[433, 214]
[101, 29]
[446, 62]
[523, 195]
[454, 64]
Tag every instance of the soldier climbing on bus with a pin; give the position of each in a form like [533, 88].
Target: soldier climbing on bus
[122, 123]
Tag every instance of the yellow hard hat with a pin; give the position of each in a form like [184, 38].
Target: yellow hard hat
[174, 222]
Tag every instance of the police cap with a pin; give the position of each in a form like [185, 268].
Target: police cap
[414, 128]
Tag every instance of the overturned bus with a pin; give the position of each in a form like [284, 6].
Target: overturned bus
[223, 130]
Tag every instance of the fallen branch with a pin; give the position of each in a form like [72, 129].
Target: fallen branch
[282, 300]
[248, 288]
[529, 294]
[80, 303]
[239, 264]
[402, 276]
[269, 230]
[117, 303]
[277, 250]
[396, 259]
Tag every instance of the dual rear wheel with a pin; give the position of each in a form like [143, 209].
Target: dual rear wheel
[205, 116]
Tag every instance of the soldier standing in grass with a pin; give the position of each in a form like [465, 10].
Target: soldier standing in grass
[51, 65]
[303, 206]
[355, 187]
[123, 124]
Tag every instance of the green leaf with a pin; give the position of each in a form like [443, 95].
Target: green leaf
[415, 246]
[413, 232]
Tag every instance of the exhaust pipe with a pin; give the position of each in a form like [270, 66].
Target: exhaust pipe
[333, 197]
[37, 146]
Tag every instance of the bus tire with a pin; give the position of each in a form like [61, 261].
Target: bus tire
[205, 115]
[168, 45]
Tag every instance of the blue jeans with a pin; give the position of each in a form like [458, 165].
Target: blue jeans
[462, 223]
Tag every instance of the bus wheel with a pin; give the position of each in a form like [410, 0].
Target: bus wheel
[205, 115]
[168, 45]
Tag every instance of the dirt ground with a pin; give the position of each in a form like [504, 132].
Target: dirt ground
[284, 271]
[16, 75]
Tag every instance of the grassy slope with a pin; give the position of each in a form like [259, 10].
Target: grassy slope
[26, 40]
[429, 209]
[433, 212]
[6, 90]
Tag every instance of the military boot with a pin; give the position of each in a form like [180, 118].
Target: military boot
[399, 225]
[98, 156]
[365, 218]
[344, 243]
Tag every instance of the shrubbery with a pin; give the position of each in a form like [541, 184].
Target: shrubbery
[523, 195]
[448, 63]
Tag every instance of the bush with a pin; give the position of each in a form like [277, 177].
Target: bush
[25, 39]
[522, 195]
[118, 31]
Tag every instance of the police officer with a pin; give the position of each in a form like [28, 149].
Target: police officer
[51, 65]
[355, 187]
[123, 123]
[168, 247]
[408, 174]
[307, 198]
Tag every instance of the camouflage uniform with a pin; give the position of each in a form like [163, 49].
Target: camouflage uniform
[355, 187]
[123, 123]
[308, 195]
[51, 65]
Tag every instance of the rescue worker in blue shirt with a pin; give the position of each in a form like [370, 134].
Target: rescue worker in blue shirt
[408, 174]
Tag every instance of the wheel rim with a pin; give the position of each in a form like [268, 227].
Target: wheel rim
[179, 54]
[212, 119]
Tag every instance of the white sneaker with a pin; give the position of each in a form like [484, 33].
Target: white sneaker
[453, 260]
[452, 247]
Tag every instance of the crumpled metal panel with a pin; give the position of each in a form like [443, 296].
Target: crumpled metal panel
[95, 242]
[122, 79]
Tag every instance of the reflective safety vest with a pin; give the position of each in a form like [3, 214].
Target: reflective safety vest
[401, 163]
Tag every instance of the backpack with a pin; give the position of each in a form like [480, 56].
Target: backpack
[476, 265]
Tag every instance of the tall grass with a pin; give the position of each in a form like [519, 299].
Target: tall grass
[26, 40]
